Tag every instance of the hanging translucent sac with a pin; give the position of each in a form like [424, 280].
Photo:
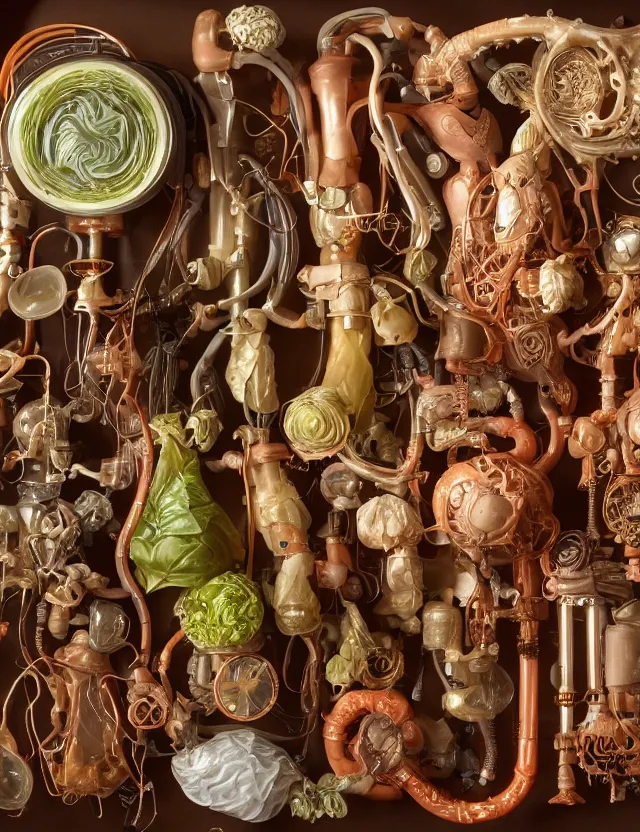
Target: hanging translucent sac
[16, 780]
[183, 538]
[484, 695]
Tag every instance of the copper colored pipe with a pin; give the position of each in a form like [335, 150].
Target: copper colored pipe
[330, 80]
[526, 448]
[333, 572]
[557, 438]
[29, 338]
[30, 326]
[356, 704]
[145, 473]
[126, 533]
[371, 22]
[313, 139]
[28, 43]
[207, 55]
[441, 804]
[165, 662]
[338, 552]
[349, 708]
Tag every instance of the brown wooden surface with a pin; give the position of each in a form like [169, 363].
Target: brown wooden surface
[160, 30]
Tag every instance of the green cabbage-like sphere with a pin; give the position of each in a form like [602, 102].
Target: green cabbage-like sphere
[225, 612]
[316, 423]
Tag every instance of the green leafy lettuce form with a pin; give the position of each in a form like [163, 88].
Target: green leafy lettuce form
[226, 612]
[183, 538]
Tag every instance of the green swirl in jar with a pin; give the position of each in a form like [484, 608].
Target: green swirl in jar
[90, 137]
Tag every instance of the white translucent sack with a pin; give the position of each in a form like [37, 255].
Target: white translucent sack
[237, 773]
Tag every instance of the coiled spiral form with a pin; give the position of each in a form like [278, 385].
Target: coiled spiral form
[571, 552]
[316, 423]
[90, 137]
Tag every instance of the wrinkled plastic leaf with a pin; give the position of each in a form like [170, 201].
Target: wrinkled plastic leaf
[183, 538]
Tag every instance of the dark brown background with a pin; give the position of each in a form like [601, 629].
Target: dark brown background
[160, 30]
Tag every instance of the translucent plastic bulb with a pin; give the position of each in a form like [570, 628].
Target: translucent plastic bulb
[16, 780]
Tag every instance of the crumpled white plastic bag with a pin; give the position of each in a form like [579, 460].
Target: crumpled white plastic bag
[237, 773]
[388, 522]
